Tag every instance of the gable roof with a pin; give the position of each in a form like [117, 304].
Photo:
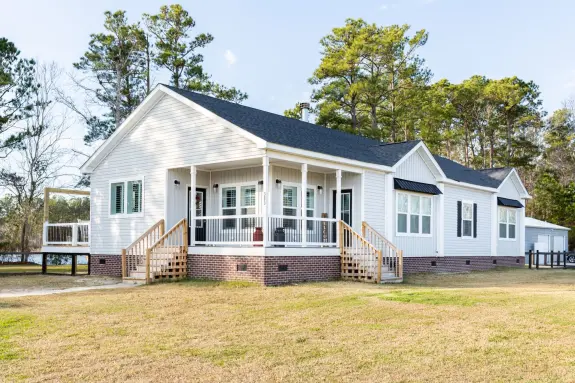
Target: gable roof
[532, 222]
[281, 130]
[458, 172]
[498, 174]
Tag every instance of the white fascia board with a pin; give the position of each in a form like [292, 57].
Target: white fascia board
[337, 162]
[109, 144]
[525, 194]
[469, 186]
[236, 129]
[422, 145]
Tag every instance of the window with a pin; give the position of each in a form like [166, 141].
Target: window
[246, 204]
[290, 206]
[117, 198]
[229, 206]
[126, 197]
[413, 214]
[310, 207]
[507, 223]
[467, 219]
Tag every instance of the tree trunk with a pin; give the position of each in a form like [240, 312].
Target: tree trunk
[117, 114]
[148, 65]
[353, 112]
[23, 234]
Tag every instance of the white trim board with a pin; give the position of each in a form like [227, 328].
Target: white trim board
[265, 251]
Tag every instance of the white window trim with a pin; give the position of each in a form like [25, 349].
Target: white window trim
[408, 234]
[238, 186]
[125, 181]
[508, 209]
[299, 202]
[468, 202]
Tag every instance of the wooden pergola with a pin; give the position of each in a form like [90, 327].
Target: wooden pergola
[48, 191]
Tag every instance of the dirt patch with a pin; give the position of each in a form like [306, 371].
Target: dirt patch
[13, 284]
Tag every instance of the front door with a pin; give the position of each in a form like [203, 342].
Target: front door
[200, 206]
[346, 209]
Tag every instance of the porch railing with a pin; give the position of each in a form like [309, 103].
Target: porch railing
[70, 234]
[249, 230]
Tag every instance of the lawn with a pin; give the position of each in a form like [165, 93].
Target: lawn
[504, 325]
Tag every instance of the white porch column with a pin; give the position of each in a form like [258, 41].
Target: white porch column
[494, 224]
[338, 202]
[389, 207]
[441, 221]
[304, 205]
[192, 228]
[266, 199]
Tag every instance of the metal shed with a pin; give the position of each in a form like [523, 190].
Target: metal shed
[545, 236]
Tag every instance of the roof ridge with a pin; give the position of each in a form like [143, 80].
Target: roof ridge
[396, 143]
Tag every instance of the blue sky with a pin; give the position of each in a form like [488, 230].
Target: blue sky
[269, 48]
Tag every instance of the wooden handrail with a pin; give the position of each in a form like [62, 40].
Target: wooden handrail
[182, 222]
[367, 226]
[160, 223]
[348, 228]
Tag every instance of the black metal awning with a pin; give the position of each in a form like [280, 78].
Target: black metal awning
[418, 187]
[509, 202]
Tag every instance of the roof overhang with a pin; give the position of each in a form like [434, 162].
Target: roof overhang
[508, 202]
[417, 187]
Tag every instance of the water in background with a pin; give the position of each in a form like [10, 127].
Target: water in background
[37, 258]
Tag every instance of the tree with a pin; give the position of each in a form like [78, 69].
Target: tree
[41, 158]
[118, 68]
[295, 112]
[338, 76]
[175, 51]
[16, 85]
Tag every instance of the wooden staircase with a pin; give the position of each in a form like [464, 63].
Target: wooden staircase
[157, 255]
[369, 257]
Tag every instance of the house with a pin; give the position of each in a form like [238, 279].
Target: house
[192, 185]
[545, 237]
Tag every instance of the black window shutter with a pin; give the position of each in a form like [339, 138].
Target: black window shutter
[474, 220]
[459, 218]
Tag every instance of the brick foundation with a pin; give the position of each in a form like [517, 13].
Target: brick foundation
[267, 270]
[110, 265]
[457, 264]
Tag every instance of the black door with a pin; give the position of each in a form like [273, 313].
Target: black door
[346, 208]
[200, 206]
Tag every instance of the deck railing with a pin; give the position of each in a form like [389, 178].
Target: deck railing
[135, 254]
[291, 231]
[249, 230]
[68, 234]
[392, 257]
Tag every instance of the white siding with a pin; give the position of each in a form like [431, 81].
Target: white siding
[414, 168]
[458, 246]
[510, 189]
[169, 136]
[374, 204]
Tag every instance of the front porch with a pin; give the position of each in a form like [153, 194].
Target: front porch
[263, 203]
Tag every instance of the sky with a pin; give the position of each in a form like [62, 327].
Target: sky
[270, 48]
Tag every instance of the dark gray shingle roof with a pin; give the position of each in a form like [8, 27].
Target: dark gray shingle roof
[294, 133]
[498, 174]
[458, 172]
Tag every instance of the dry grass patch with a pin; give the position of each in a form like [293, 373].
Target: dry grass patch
[492, 326]
[17, 283]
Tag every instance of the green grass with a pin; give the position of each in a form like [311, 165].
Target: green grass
[500, 326]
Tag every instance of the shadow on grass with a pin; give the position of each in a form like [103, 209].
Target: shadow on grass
[201, 282]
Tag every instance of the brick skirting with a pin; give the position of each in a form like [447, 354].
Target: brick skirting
[457, 264]
[267, 270]
[110, 265]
